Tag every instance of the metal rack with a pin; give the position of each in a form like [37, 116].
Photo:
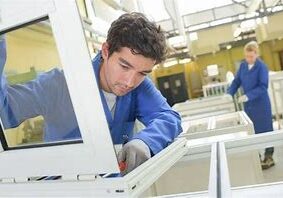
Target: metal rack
[276, 96]
[219, 89]
[215, 89]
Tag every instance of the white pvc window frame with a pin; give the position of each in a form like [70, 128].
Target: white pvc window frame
[219, 178]
[134, 183]
[95, 154]
[211, 128]
[204, 107]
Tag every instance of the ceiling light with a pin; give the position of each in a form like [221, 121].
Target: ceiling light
[265, 20]
[237, 32]
[185, 60]
[193, 36]
[170, 63]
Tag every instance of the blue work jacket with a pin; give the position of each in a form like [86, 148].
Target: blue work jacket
[255, 84]
[48, 96]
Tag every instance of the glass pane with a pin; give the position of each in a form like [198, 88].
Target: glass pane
[199, 125]
[35, 102]
[232, 120]
[246, 168]
[189, 175]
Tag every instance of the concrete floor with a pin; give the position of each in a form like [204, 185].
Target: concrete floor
[275, 173]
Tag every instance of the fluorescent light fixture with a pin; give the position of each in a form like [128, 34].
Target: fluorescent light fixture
[193, 36]
[248, 24]
[237, 32]
[239, 38]
[265, 20]
[258, 21]
[185, 60]
[250, 15]
[180, 45]
[221, 21]
[228, 47]
[277, 8]
[185, 50]
[170, 63]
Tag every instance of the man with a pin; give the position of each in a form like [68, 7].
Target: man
[133, 46]
[253, 77]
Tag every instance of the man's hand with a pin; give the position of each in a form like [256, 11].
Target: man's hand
[242, 99]
[133, 154]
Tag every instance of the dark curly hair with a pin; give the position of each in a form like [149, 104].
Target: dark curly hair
[135, 31]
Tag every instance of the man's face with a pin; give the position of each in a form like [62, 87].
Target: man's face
[250, 57]
[123, 71]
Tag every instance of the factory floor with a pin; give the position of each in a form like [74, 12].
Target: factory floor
[275, 173]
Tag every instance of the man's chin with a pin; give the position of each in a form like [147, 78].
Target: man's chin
[119, 92]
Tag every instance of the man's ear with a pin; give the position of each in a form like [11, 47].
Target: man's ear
[105, 50]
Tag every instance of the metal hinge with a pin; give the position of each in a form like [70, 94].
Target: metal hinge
[7, 180]
[87, 177]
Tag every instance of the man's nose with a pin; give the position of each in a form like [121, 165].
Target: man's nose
[130, 80]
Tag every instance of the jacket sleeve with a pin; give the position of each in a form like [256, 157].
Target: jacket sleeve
[24, 101]
[236, 83]
[162, 124]
[262, 84]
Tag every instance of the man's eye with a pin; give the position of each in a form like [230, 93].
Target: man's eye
[124, 67]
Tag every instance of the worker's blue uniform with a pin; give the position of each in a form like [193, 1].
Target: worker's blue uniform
[48, 96]
[255, 85]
